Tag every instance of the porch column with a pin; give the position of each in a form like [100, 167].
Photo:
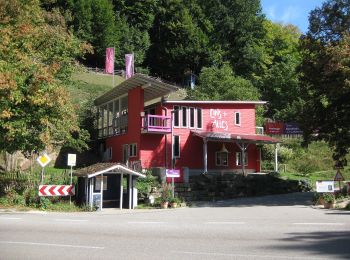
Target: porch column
[86, 183]
[205, 155]
[101, 191]
[243, 147]
[276, 157]
[130, 190]
[121, 192]
[90, 192]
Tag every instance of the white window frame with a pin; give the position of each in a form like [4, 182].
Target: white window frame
[194, 117]
[182, 122]
[216, 159]
[239, 159]
[178, 110]
[172, 147]
[239, 117]
[201, 110]
[132, 150]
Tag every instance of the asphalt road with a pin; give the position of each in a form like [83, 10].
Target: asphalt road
[271, 227]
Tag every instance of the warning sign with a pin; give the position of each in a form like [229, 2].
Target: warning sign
[43, 160]
[338, 176]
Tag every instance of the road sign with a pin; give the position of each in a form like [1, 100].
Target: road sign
[72, 159]
[172, 173]
[338, 176]
[43, 159]
[56, 190]
[324, 186]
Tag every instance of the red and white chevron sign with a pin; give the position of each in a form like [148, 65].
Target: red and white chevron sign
[56, 190]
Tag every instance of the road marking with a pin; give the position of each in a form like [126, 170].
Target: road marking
[320, 224]
[70, 220]
[10, 218]
[224, 223]
[145, 222]
[47, 244]
[246, 255]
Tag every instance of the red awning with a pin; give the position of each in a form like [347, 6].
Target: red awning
[229, 137]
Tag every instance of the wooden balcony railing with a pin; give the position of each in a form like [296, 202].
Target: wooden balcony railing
[156, 124]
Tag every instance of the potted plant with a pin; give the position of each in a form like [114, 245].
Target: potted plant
[165, 196]
[329, 200]
[175, 202]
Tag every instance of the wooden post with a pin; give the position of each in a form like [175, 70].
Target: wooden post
[130, 190]
[101, 191]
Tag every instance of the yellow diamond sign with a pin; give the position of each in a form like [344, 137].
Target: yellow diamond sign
[43, 160]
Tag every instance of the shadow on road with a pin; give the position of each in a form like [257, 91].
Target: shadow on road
[291, 199]
[335, 243]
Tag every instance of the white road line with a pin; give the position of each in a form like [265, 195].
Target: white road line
[10, 218]
[320, 224]
[145, 222]
[246, 255]
[224, 223]
[47, 244]
[70, 220]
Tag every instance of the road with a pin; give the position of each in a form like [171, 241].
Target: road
[271, 227]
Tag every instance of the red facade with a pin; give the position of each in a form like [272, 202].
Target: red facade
[167, 134]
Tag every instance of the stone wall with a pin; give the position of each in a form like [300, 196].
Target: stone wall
[217, 187]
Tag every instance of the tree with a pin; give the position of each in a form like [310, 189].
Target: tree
[220, 83]
[325, 113]
[36, 60]
[179, 41]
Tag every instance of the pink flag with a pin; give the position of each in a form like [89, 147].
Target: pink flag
[109, 68]
[129, 65]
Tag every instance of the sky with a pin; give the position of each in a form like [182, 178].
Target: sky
[295, 12]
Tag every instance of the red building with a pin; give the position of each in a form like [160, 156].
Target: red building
[143, 125]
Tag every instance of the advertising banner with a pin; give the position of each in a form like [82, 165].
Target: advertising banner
[292, 129]
[275, 128]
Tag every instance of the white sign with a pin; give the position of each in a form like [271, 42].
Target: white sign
[172, 173]
[72, 159]
[325, 186]
[43, 160]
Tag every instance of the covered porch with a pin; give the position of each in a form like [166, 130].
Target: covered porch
[108, 185]
[242, 141]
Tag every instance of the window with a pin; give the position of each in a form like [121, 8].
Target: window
[108, 153]
[97, 184]
[176, 116]
[237, 118]
[176, 146]
[199, 118]
[132, 150]
[239, 159]
[192, 114]
[221, 158]
[184, 116]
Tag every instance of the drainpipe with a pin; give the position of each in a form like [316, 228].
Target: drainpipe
[166, 139]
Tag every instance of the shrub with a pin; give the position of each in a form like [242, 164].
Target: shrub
[328, 197]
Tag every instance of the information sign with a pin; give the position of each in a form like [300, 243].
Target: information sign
[324, 186]
[172, 173]
[72, 159]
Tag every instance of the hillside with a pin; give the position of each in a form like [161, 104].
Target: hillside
[89, 85]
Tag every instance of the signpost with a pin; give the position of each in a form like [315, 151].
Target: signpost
[43, 160]
[71, 161]
[173, 174]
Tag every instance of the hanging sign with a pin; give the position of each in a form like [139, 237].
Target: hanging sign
[172, 173]
[43, 159]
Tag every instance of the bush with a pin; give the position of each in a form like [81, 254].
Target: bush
[144, 185]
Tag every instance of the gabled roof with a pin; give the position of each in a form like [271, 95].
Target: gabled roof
[153, 88]
[106, 168]
[229, 137]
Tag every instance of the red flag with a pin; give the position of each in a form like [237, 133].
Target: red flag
[109, 68]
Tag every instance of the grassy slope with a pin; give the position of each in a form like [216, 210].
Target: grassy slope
[90, 85]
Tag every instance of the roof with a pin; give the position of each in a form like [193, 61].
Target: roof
[105, 168]
[153, 88]
[229, 137]
[249, 102]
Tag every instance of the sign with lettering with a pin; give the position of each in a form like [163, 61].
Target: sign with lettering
[172, 173]
[219, 119]
[274, 128]
[324, 186]
[292, 129]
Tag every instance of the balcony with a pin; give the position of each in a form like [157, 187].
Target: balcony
[156, 124]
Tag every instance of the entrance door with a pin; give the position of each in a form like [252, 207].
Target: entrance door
[126, 154]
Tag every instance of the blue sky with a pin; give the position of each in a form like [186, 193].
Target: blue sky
[290, 11]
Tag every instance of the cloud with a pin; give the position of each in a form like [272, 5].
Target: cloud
[270, 12]
[290, 14]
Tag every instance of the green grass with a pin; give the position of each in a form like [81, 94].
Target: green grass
[89, 85]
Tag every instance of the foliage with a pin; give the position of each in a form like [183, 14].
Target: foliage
[328, 197]
[166, 194]
[144, 185]
[326, 71]
[37, 56]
